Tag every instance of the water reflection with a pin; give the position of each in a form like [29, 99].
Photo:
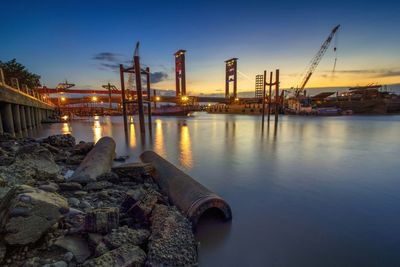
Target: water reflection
[159, 138]
[65, 128]
[185, 147]
[132, 135]
[97, 131]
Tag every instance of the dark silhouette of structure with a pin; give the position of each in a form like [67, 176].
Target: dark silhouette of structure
[231, 76]
[180, 73]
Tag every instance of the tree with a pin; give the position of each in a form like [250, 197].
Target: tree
[13, 69]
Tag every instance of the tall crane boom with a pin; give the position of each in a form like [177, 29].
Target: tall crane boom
[315, 61]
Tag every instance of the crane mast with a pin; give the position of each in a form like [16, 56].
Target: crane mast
[315, 61]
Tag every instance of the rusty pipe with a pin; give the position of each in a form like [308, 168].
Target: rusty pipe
[191, 197]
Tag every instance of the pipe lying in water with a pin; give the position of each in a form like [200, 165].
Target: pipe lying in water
[192, 198]
[97, 162]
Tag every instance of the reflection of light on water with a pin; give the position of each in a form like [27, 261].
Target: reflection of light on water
[96, 129]
[185, 148]
[66, 129]
[159, 139]
[132, 135]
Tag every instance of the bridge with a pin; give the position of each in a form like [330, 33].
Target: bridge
[22, 109]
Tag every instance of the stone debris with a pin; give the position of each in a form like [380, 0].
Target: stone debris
[60, 140]
[126, 235]
[134, 171]
[127, 255]
[119, 218]
[102, 220]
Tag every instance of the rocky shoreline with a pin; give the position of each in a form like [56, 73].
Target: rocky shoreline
[119, 218]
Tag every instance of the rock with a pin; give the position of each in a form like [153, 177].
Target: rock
[139, 203]
[40, 210]
[102, 220]
[51, 187]
[69, 256]
[133, 171]
[74, 159]
[95, 186]
[3, 250]
[127, 255]
[70, 186]
[171, 242]
[60, 140]
[126, 235]
[100, 249]
[83, 148]
[85, 205]
[121, 158]
[60, 264]
[74, 202]
[80, 193]
[94, 239]
[77, 245]
[109, 176]
[68, 174]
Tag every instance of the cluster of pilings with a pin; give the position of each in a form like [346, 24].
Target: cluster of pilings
[18, 119]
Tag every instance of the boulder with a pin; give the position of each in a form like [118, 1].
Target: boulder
[127, 255]
[26, 213]
[171, 242]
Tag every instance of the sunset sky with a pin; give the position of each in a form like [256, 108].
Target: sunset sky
[83, 41]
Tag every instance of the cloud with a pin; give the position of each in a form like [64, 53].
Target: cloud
[158, 76]
[377, 73]
[107, 56]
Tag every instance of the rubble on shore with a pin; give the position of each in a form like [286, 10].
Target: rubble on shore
[120, 218]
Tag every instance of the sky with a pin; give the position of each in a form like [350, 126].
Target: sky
[84, 41]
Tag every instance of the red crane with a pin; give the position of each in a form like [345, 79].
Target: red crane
[315, 61]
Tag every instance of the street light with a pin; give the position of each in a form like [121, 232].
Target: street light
[158, 98]
[63, 99]
[94, 99]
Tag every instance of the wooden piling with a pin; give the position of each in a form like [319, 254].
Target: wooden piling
[138, 72]
[276, 95]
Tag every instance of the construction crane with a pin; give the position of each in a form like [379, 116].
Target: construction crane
[315, 61]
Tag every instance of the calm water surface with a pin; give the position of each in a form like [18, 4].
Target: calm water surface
[310, 192]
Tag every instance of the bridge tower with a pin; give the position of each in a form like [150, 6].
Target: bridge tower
[231, 76]
[180, 73]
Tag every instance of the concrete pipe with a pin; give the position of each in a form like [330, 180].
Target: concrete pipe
[191, 197]
[97, 162]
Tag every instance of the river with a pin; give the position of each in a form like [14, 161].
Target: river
[312, 191]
